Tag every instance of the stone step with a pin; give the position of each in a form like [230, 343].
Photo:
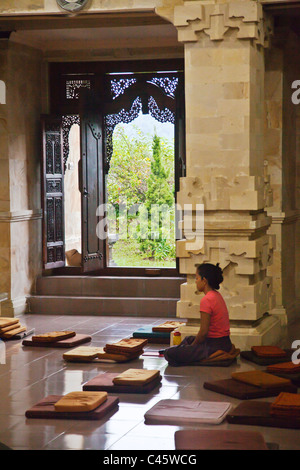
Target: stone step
[92, 305]
[110, 286]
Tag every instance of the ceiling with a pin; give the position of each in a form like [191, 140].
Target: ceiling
[111, 30]
[104, 37]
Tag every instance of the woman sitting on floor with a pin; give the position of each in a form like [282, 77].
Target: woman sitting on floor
[214, 333]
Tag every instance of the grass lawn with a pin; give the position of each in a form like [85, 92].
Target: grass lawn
[127, 253]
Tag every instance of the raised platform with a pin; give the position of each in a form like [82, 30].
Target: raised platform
[93, 295]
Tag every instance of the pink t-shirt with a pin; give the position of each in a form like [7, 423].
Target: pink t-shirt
[214, 304]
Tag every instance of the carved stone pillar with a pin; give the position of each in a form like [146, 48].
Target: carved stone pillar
[224, 91]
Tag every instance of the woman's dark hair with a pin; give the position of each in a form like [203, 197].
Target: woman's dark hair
[212, 273]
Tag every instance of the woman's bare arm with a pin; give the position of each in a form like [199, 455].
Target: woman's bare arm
[204, 326]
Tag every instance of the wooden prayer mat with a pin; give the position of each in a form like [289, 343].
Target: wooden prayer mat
[64, 343]
[10, 334]
[260, 379]
[53, 336]
[45, 409]
[7, 321]
[211, 439]
[168, 326]
[8, 328]
[126, 346]
[243, 391]
[104, 382]
[80, 401]
[119, 357]
[286, 405]
[82, 354]
[265, 361]
[20, 335]
[257, 413]
[11, 328]
[285, 367]
[220, 358]
[288, 371]
[95, 354]
[158, 337]
[136, 377]
[179, 412]
[268, 351]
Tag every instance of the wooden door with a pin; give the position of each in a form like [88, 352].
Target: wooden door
[91, 183]
[53, 193]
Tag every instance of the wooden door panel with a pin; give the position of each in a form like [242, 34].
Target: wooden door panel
[92, 187]
[53, 193]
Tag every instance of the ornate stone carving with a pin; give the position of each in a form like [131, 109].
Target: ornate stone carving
[246, 289]
[217, 20]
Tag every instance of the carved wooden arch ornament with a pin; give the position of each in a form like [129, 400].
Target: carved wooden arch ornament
[153, 95]
[128, 96]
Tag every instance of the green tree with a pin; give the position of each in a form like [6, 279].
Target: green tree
[159, 203]
[158, 191]
[129, 168]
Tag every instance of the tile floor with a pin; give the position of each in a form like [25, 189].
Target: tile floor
[29, 374]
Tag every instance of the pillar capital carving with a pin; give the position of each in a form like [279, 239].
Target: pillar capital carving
[217, 20]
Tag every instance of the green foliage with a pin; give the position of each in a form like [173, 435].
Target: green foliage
[127, 253]
[159, 202]
[158, 191]
[142, 173]
[129, 168]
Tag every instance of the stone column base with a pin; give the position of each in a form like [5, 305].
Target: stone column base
[281, 312]
[13, 308]
[3, 297]
[267, 331]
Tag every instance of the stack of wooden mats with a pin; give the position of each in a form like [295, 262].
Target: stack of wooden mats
[214, 439]
[168, 326]
[57, 339]
[288, 370]
[265, 355]
[286, 405]
[10, 328]
[187, 412]
[159, 334]
[283, 412]
[128, 347]
[97, 354]
[74, 405]
[129, 381]
[251, 384]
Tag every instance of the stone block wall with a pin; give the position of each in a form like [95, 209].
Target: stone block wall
[20, 199]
